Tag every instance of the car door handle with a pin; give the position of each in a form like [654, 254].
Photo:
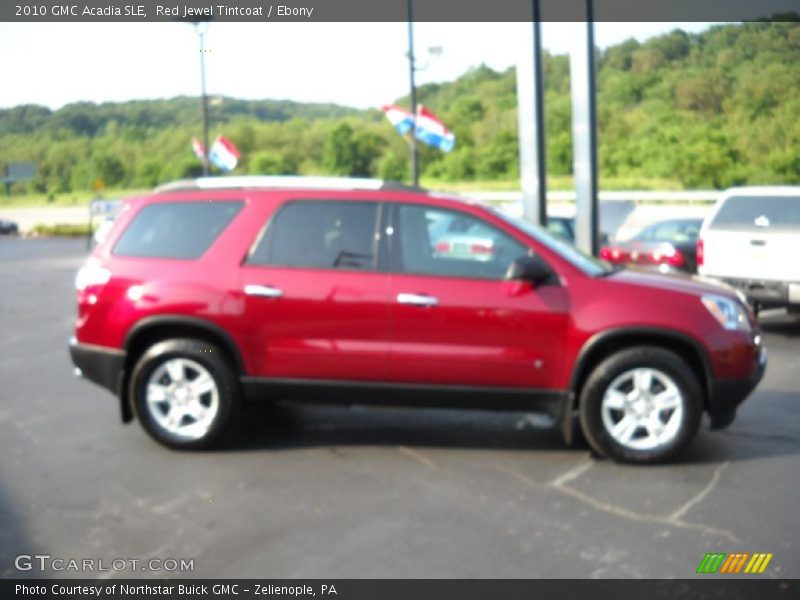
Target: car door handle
[758, 242]
[265, 291]
[417, 299]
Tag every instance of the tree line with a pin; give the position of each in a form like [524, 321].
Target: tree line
[707, 110]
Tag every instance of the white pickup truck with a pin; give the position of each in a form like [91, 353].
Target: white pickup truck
[751, 241]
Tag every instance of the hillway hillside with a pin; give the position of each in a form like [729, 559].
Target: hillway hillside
[706, 110]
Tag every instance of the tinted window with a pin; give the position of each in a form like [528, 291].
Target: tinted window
[442, 242]
[321, 235]
[176, 229]
[752, 212]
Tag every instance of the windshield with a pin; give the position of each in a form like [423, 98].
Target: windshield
[588, 264]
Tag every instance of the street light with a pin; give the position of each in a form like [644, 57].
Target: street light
[412, 69]
[201, 28]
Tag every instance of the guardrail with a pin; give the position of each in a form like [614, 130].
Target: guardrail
[689, 197]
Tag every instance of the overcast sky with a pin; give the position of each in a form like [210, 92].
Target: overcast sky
[362, 65]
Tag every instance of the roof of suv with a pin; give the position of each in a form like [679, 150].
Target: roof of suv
[282, 182]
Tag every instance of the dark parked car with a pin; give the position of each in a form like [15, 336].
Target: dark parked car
[8, 227]
[666, 246]
[216, 291]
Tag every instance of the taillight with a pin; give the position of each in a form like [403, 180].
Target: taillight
[611, 254]
[700, 252]
[480, 249]
[668, 254]
[442, 247]
[676, 259]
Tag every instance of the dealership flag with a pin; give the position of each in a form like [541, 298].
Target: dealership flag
[429, 130]
[399, 117]
[432, 131]
[224, 154]
[199, 149]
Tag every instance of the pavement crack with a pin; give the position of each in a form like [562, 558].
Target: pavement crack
[418, 456]
[712, 483]
[573, 473]
[674, 520]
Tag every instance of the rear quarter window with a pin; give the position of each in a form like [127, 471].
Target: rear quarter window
[758, 212]
[182, 230]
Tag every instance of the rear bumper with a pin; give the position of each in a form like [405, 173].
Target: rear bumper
[98, 364]
[768, 294]
[725, 395]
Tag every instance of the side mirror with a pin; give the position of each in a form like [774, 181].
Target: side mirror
[531, 269]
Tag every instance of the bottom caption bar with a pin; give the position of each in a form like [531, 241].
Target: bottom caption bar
[413, 589]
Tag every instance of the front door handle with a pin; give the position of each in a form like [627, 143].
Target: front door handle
[417, 299]
[265, 291]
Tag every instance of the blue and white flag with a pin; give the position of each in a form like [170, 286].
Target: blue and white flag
[402, 119]
[224, 154]
[431, 131]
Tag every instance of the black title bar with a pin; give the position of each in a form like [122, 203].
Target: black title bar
[394, 10]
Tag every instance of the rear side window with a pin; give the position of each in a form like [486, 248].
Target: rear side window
[758, 212]
[321, 235]
[182, 230]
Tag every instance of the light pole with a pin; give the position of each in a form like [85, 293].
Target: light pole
[201, 27]
[412, 69]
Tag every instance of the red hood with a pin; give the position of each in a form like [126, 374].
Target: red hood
[677, 282]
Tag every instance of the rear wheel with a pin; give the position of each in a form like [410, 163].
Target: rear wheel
[641, 405]
[184, 393]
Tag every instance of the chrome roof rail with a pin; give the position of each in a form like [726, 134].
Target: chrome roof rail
[279, 181]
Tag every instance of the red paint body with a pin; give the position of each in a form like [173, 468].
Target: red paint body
[346, 325]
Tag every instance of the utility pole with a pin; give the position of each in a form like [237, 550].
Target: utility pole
[411, 70]
[200, 27]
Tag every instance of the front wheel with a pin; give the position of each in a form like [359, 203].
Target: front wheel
[641, 405]
[184, 393]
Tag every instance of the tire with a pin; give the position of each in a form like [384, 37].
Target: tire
[632, 417]
[200, 394]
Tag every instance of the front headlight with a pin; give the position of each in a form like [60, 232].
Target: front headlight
[731, 314]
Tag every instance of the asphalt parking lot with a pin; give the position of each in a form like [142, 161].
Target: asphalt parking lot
[339, 492]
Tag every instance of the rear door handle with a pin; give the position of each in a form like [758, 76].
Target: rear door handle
[417, 299]
[265, 291]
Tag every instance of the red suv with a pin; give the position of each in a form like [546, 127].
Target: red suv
[210, 292]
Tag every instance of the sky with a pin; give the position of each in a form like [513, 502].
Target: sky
[359, 64]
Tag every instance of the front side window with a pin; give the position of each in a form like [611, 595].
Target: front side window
[435, 241]
[320, 235]
[181, 230]
[590, 265]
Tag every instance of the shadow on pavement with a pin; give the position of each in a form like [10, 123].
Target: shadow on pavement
[784, 325]
[13, 541]
[279, 426]
[283, 426]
